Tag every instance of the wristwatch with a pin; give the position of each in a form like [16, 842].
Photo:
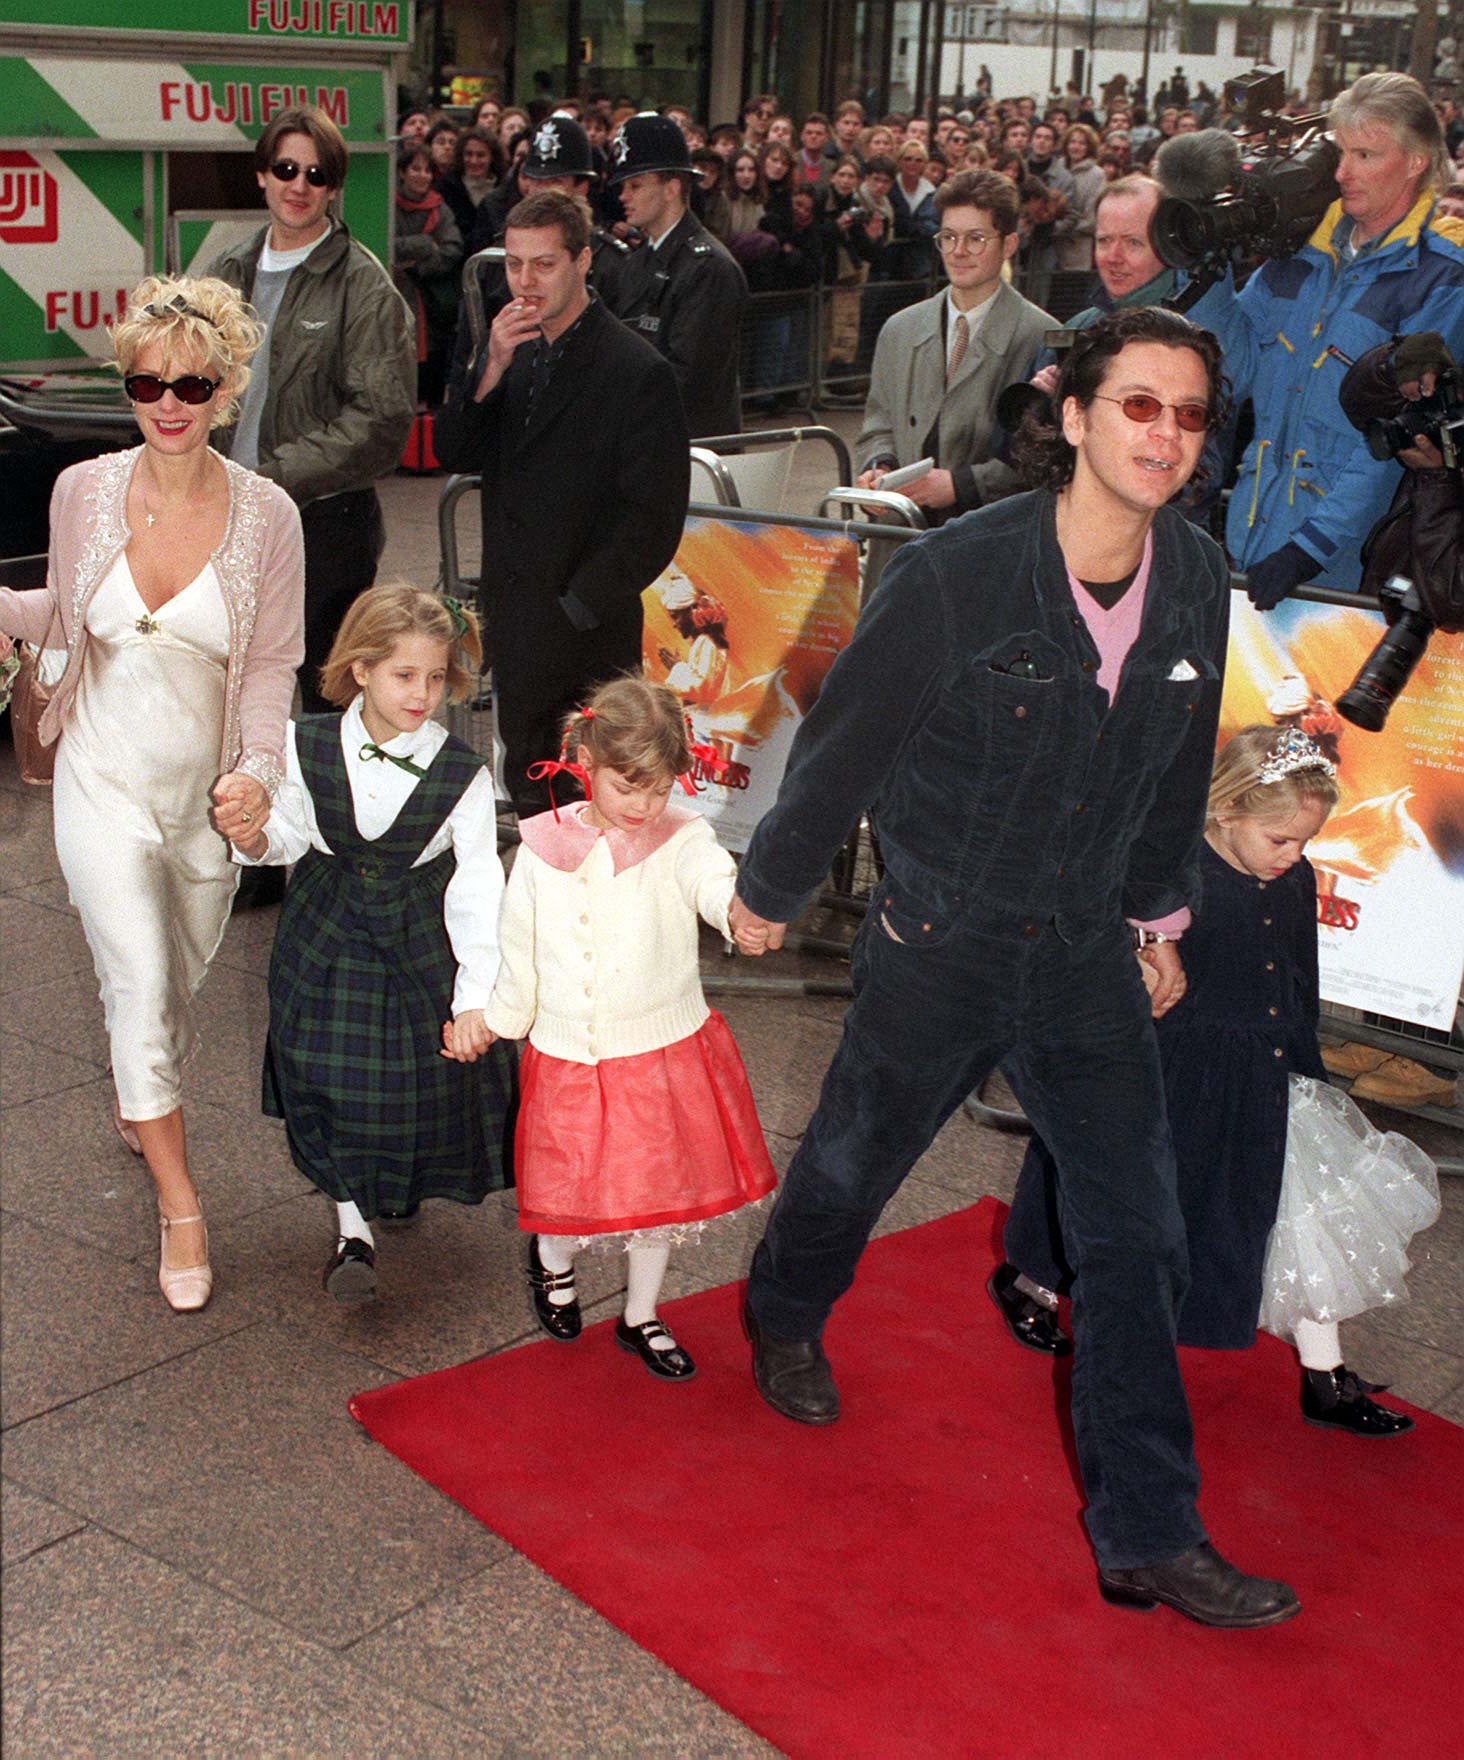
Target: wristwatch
[1150, 938]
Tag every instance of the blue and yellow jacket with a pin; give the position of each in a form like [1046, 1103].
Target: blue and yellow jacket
[1289, 337]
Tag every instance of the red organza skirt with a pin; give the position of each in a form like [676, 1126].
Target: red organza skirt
[666, 1137]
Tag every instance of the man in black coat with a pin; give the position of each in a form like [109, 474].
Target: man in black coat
[682, 290]
[579, 436]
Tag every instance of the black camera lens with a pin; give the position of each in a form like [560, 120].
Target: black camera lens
[1370, 696]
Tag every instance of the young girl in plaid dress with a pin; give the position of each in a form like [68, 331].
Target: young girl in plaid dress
[637, 1124]
[389, 925]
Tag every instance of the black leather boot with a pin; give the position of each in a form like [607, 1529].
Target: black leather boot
[1203, 1587]
[1338, 1400]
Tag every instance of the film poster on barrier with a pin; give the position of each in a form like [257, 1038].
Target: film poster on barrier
[744, 626]
[1390, 860]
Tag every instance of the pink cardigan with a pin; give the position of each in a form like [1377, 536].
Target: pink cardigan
[261, 570]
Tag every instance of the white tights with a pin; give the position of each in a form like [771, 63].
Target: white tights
[1319, 1344]
[645, 1272]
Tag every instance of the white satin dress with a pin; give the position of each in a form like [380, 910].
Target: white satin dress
[150, 876]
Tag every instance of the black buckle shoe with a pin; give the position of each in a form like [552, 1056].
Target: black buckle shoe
[670, 1365]
[792, 1374]
[1026, 1319]
[1337, 1399]
[1203, 1587]
[350, 1272]
[561, 1320]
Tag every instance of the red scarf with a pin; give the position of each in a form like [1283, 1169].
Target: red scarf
[429, 205]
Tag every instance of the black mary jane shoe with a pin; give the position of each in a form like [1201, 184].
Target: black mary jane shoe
[1336, 1399]
[561, 1320]
[350, 1272]
[670, 1365]
[1027, 1320]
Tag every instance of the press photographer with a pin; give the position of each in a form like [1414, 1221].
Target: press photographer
[1379, 263]
[1405, 397]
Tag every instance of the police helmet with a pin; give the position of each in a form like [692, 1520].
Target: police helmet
[648, 142]
[558, 147]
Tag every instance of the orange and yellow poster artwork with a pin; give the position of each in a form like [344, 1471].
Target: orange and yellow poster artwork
[1390, 860]
[744, 625]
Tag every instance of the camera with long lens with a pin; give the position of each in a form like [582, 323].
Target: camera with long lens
[1256, 192]
[1370, 696]
[1438, 417]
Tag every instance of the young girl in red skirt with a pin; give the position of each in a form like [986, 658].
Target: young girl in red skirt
[636, 1122]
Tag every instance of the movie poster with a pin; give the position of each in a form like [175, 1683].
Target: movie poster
[744, 626]
[1390, 860]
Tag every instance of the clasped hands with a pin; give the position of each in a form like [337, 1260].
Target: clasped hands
[753, 934]
[241, 811]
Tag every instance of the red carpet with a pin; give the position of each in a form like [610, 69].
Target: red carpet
[914, 1580]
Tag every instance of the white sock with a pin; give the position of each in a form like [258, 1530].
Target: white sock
[351, 1225]
[1319, 1344]
[643, 1287]
[556, 1253]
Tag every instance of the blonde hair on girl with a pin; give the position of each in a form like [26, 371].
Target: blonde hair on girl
[197, 321]
[1239, 788]
[379, 619]
[633, 727]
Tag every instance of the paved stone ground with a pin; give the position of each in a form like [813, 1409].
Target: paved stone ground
[202, 1552]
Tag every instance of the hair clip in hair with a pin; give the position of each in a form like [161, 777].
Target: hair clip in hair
[454, 610]
[1293, 751]
[178, 307]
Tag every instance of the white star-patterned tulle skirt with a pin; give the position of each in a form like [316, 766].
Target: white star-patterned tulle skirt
[1352, 1198]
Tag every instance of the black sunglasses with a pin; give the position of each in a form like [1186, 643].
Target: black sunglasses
[189, 388]
[287, 170]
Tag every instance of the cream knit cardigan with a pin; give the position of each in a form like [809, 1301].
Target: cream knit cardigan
[597, 964]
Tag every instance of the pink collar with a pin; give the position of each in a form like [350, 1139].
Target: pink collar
[565, 845]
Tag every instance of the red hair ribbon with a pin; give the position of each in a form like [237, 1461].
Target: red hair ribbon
[548, 768]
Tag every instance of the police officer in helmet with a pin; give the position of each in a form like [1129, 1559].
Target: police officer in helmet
[681, 290]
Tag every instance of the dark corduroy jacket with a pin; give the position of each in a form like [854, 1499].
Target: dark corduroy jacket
[965, 717]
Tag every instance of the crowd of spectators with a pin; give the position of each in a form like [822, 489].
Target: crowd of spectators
[836, 199]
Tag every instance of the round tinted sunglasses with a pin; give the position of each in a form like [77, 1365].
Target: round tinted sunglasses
[188, 388]
[1194, 418]
[287, 170]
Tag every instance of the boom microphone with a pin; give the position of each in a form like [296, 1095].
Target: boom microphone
[1196, 167]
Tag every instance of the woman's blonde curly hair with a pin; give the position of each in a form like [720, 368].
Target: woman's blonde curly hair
[200, 322]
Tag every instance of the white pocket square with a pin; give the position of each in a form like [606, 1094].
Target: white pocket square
[1183, 672]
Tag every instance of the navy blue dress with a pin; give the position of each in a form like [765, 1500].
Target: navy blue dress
[1248, 1019]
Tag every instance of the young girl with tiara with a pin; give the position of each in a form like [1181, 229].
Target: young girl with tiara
[389, 925]
[1297, 1210]
[637, 1124]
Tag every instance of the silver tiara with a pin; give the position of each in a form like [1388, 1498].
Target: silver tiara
[1295, 751]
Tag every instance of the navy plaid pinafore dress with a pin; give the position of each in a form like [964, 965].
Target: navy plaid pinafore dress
[360, 983]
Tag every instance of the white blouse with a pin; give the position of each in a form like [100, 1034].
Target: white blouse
[380, 790]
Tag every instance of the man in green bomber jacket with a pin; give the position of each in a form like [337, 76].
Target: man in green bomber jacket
[333, 390]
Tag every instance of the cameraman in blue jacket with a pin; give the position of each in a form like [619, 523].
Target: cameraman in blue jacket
[1381, 263]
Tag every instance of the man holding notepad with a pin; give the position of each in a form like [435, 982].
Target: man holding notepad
[940, 366]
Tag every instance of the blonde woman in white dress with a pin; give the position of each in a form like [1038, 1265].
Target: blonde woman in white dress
[178, 582]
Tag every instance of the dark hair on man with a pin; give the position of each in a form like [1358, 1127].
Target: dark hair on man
[815, 116]
[552, 207]
[1041, 453]
[324, 136]
[987, 190]
[881, 162]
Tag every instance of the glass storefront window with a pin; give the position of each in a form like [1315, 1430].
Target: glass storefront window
[651, 51]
